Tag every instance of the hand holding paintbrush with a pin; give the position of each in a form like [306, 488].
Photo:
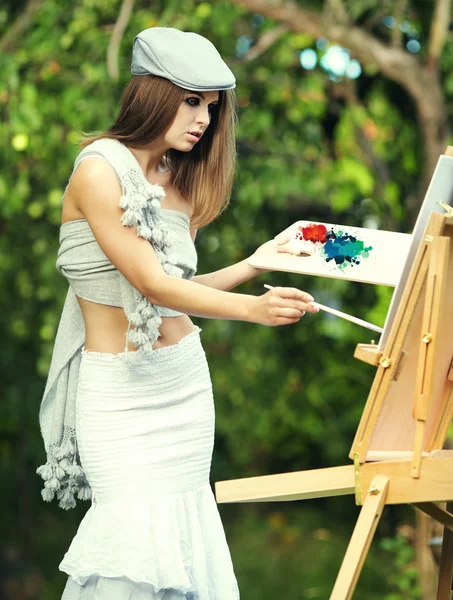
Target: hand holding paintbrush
[280, 306]
[340, 314]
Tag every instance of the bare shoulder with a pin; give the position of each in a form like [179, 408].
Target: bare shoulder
[90, 175]
[93, 175]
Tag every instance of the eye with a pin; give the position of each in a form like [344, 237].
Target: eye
[193, 101]
[212, 107]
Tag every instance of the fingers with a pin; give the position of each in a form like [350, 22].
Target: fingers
[288, 303]
[289, 313]
[282, 306]
[310, 307]
[285, 306]
[285, 321]
[290, 248]
[287, 249]
[291, 293]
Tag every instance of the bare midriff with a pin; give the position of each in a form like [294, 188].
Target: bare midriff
[106, 327]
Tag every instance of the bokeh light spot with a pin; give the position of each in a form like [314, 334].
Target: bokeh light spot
[413, 46]
[322, 43]
[20, 142]
[336, 60]
[308, 58]
[243, 45]
[354, 70]
[257, 20]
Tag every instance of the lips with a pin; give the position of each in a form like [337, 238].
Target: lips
[197, 134]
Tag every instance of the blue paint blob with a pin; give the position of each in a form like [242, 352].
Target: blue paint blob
[344, 249]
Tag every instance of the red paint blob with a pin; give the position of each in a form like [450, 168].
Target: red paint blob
[314, 233]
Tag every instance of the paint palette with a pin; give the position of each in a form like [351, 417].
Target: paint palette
[338, 251]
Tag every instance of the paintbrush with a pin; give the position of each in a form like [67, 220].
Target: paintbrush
[342, 315]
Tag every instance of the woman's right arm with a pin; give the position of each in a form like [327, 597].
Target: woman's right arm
[96, 192]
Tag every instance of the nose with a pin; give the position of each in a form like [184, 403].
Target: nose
[204, 116]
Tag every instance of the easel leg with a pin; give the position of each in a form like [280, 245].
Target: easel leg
[444, 586]
[426, 564]
[361, 539]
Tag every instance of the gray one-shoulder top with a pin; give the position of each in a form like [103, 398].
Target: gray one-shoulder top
[91, 274]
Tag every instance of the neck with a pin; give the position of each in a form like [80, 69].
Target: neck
[150, 157]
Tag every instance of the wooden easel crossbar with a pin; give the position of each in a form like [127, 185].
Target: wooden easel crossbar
[397, 451]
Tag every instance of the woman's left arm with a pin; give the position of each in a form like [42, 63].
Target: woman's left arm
[228, 278]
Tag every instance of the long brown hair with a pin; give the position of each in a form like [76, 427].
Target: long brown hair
[203, 176]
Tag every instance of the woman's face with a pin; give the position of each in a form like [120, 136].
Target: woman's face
[191, 120]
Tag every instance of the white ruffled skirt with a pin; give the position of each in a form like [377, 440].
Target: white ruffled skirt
[145, 431]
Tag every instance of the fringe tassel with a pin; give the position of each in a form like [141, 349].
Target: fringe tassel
[63, 476]
[146, 319]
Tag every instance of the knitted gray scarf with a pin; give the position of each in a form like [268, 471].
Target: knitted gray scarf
[62, 473]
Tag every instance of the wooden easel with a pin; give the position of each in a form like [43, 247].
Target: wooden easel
[397, 451]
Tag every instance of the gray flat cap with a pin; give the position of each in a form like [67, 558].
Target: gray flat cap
[187, 59]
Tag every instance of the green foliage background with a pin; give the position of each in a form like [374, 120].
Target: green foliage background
[286, 398]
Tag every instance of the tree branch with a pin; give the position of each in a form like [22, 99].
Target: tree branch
[19, 25]
[334, 10]
[117, 35]
[265, 42]
[397, 35]
[393, 62]
[421, 83]
[438, 31]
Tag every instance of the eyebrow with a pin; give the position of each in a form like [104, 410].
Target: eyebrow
[203, 96]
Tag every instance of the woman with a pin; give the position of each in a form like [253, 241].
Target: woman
[132, 426]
